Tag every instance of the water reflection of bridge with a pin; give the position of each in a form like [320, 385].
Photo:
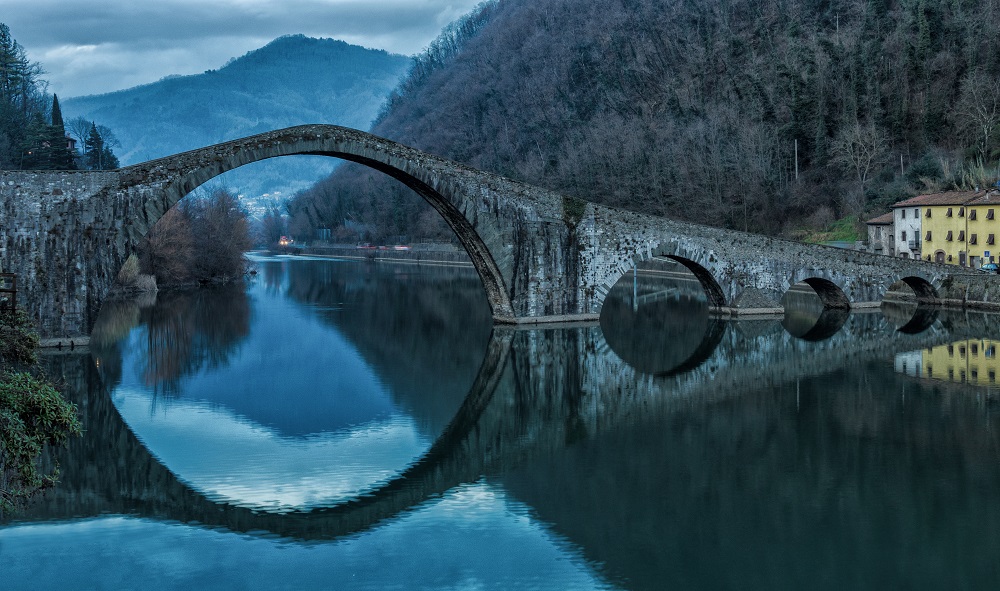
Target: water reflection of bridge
[537, 391]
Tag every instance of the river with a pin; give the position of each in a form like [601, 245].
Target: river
[338, 424]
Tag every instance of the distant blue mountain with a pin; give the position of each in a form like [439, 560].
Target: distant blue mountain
[291, 81]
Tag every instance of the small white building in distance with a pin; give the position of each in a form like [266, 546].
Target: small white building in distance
[906, 228]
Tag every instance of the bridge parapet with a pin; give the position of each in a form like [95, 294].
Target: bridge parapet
[541, 256]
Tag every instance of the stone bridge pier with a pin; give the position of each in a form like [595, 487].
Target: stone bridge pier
[542, 256]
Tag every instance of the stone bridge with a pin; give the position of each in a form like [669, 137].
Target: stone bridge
[542, 256]
[536, 392]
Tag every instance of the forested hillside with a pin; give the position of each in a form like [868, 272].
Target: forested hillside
[765, 116]
[292, 80]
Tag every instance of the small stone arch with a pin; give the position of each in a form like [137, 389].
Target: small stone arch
[713, 291]
[832, 296]
[922, 288]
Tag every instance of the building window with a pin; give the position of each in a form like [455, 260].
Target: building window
[902, 236]
[989, 214]
[961, 235]
[972, 214]
[916, 213]
[972, 239]
[961, 212]
[928, 236]
[989, 239]
[948, 213]
[948, 237]
[949, 258]
[928, 214]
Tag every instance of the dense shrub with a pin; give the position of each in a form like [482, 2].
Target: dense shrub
[33, 415]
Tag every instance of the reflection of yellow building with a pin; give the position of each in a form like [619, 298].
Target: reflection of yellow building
[958, 227]
[972, 361]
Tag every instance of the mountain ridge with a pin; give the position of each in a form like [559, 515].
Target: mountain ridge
[292, 80]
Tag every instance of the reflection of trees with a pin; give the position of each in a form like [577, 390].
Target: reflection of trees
[192, 329]
[859, 469]
[423, 328]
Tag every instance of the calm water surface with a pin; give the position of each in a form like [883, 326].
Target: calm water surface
[339, 424]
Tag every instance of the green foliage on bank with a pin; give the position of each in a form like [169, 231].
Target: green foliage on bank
[33, 416]
[843, 230]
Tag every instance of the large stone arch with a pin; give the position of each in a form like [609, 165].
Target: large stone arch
[448, 187]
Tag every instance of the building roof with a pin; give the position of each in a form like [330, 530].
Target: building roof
[946, 198]
[987, 198]
[882, 220]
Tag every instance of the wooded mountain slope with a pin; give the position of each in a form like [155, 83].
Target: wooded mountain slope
[291, 81]
[763, 116]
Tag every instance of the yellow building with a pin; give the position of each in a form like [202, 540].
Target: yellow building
[972, 361]
[958, 227]
[982, 223]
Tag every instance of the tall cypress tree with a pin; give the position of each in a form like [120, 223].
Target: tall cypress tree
[62, 158]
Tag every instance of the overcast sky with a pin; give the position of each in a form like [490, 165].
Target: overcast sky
[97, 46]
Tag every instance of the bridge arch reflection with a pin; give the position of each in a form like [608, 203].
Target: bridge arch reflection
[523, 387]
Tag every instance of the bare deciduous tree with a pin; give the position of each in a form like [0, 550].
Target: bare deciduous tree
[861, 148]
[978, 112]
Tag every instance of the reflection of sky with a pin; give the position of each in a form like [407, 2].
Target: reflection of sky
[296, 419]
[473, 538]
[228, 458]
[292, 373]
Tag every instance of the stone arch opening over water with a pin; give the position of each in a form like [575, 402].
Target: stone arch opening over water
[448, 187]
[829, 293]
[922, 288]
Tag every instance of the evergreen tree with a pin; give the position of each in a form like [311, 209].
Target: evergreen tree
[62, 157]
[57, 119]
[97, 151]
[94, 149]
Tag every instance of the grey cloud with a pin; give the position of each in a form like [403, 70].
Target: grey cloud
[89, 47]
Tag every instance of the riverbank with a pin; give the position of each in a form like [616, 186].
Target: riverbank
[436, 254]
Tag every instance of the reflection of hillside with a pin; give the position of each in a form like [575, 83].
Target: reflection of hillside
[423, 328]
[783, 487]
